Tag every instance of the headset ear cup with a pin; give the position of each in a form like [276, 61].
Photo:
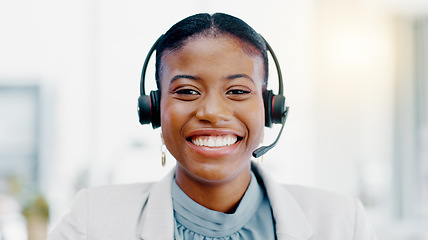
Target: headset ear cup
[267, 100]
[144, 109]
[278, 109]
[155, 97]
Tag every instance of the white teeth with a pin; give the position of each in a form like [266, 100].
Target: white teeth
[211, 142]
[214, 141]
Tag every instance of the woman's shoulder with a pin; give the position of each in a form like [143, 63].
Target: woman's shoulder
[323, 202]
[130, 188]
[302, 195]
[319, 209]
[306, 196]
[107, 212]
[320, 204]
[309, 195]
[109, 194]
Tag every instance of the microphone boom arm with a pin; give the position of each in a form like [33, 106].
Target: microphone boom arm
[263, 149]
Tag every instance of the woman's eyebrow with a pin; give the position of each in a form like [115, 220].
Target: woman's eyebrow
[234, 76]
[230, 77]
[176, 77]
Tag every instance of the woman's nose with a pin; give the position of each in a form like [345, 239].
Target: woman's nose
[214, 109]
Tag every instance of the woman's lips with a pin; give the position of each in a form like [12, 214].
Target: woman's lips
[214, 143]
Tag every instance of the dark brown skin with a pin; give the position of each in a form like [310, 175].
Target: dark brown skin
[212, 87]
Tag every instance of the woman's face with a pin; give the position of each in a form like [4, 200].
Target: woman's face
[212, 112]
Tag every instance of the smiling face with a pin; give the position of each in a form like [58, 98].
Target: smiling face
[212, 112]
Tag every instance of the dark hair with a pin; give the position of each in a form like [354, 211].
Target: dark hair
[209, 25]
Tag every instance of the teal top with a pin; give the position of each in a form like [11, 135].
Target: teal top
[252, 219]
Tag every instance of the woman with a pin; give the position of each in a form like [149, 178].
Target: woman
[211, 73]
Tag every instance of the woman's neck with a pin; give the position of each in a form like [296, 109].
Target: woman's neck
[222, 196]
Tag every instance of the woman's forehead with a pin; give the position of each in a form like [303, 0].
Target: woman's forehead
[227, 55]
[215, 47]
[203, 39]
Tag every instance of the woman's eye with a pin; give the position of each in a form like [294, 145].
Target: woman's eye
[238, 94]
[238, 91]
[187, 92]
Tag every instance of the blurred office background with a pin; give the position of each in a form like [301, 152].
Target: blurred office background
[356, 79]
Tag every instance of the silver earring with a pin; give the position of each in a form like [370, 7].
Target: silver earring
[163, 150]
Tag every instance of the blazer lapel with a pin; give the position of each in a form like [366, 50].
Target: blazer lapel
[290, 221]
[157, 220]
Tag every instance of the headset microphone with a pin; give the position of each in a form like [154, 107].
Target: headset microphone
[263, 149]
[276, 110]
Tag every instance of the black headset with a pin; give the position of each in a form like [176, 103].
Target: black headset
[275, 108]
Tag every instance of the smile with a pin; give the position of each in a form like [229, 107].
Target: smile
[214, 141]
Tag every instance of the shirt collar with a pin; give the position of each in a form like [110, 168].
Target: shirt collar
[204, 221]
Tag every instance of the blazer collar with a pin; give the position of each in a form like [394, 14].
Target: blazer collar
[157, 220]
[290, 221]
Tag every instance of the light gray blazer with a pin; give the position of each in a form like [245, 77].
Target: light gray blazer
[144, 211]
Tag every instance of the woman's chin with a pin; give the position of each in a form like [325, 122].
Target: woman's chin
[210, 173]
